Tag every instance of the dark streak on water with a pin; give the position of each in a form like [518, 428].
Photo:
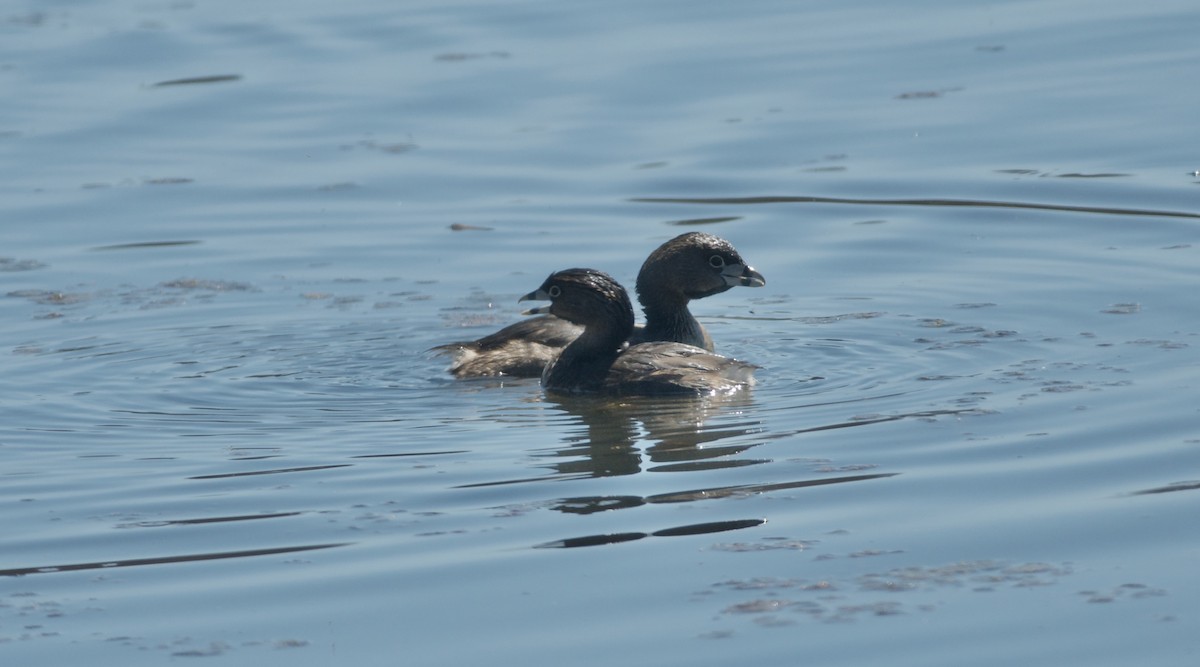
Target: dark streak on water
[145, 244]
[967, 203]
[165, 560]
[677, 531]
[216, 78]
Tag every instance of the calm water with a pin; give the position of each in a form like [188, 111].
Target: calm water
[228, 234]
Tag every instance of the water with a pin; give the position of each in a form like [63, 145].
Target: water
[975, 438]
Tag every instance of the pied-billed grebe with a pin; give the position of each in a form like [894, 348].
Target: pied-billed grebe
[601, 360]
[690, 266]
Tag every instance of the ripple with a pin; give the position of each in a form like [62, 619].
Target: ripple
[164, 560]
[677, 531]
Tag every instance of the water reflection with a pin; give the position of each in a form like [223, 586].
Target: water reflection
[605, 437]
[591, 504]
[620, 436]
[676, 531]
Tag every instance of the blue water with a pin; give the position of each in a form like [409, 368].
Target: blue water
[229, 234]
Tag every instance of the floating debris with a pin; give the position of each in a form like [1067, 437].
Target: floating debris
[457, 57]
[208, 285]
[51, 297]
[338, 187]
[394, 147]
[8, 264]
[1123, 309]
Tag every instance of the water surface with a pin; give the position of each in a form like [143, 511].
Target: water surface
[229, 235]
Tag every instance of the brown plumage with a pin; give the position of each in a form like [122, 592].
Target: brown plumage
[690, 266]
[602, 361]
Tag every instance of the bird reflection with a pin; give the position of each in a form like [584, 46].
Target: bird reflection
[623, 437]
[608, 437]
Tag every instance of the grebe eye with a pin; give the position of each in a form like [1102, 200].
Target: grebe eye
[716, 261]
[554, 291]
